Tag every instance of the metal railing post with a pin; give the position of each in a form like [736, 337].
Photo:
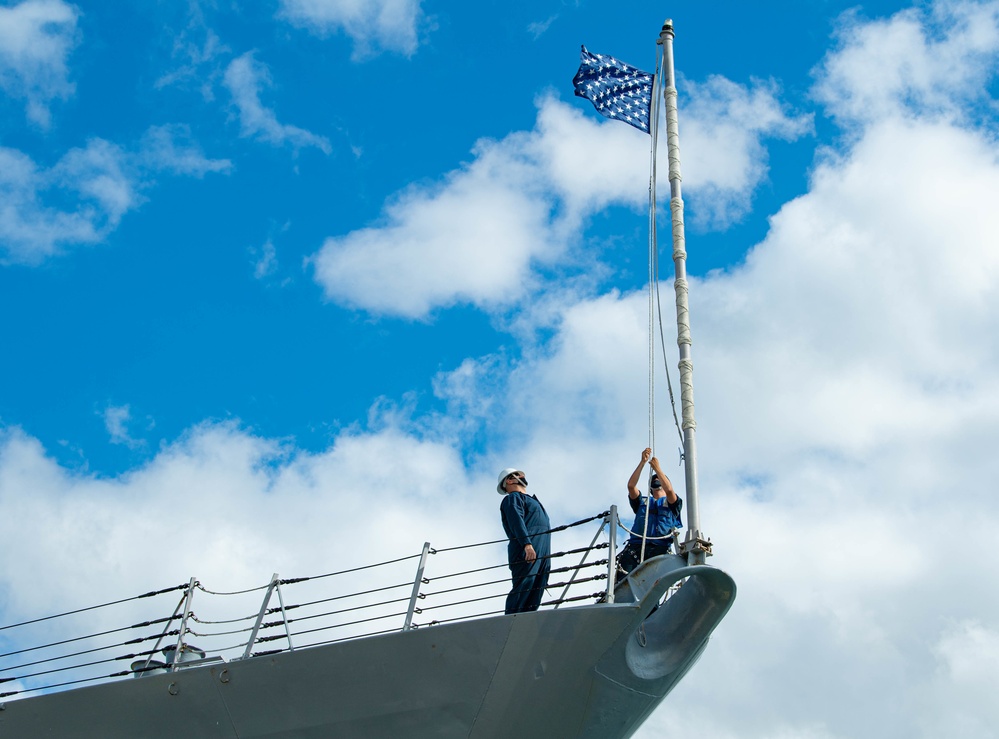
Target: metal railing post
[416, 587]
[612, 555]
[576, 571]
[166, 629]
[260, 616]
[183, 625]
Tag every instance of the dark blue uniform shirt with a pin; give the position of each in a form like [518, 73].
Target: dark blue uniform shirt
[524, 520]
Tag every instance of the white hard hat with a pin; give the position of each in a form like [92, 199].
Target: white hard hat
[502, 476]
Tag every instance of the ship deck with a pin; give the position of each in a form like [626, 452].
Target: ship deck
[451, 666]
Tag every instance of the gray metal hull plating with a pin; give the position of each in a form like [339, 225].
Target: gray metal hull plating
[591, 671]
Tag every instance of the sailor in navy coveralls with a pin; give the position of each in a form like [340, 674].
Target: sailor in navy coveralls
[527, 526]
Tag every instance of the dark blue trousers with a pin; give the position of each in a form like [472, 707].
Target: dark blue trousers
[529, 582]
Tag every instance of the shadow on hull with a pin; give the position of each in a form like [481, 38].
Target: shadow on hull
[592, 671]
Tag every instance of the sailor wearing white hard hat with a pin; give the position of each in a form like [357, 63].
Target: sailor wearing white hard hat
[509, 472]
[526, 524]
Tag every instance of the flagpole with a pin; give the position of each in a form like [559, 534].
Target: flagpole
[694, 545]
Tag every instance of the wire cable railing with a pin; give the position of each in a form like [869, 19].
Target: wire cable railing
[94, 608]
[451, 584]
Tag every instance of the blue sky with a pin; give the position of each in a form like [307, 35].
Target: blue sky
[194, 298]
[278, 265]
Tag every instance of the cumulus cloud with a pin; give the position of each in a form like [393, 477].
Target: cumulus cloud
[722, 149]
[374, 25]
[83, 196]
[478, 236]
[36, 38]
[244, 78]
[967, 663]
[927, 61]
[614, 170]
[471, 239]
[232, 508]
[858, 246]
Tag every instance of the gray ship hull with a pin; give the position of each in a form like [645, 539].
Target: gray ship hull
[589, 671]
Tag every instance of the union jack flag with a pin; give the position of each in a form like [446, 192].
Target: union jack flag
[617, 90]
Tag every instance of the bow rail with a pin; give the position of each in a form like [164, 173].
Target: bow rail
[432, 587]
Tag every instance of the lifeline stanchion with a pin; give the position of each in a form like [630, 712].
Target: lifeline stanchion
[416, 587]
[588, 550]
[260, 616]
[612, 555]
[183, 626]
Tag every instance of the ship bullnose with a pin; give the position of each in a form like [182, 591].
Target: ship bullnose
[659, 647]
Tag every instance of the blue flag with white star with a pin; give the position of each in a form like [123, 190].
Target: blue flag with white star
[617, 90]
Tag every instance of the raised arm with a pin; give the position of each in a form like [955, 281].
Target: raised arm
[633, 492]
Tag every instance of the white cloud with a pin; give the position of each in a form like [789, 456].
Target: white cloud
[924, 61]
[36, 38]
[233, 508]
[845, 272]
[96, 177]
[721, 144]
[244, 78]
[116, 420]
[374, 25]
[171, 148]
[970, 653]
[97, 172]
[82, 198]
[537, 28]
[478, 236]
[615, 168]
[723, 125]
[474, 390]
[197, 47]
[266, 262]
[967, 666]
[472, 239]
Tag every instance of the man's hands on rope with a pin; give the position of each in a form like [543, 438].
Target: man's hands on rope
[654, 463]
[633, 480]
[667, 487]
